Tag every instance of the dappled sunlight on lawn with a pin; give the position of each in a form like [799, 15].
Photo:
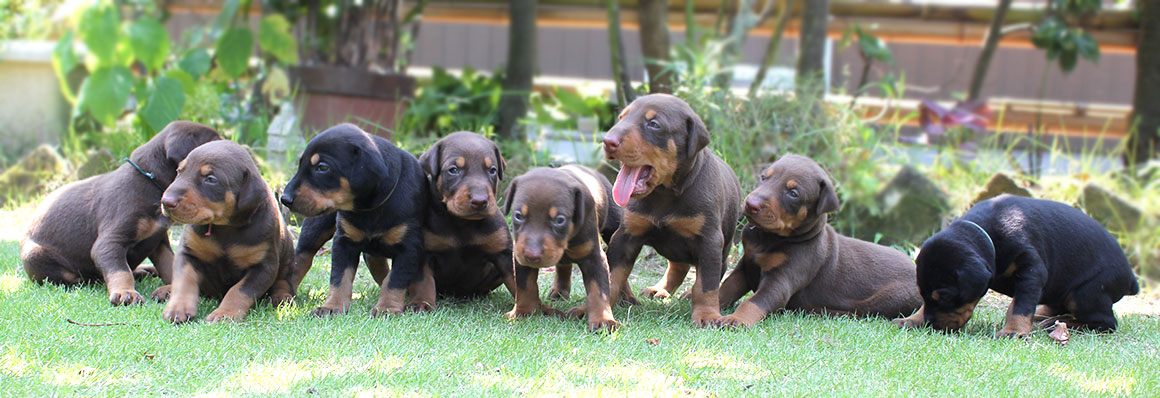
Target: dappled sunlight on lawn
[10, 283]
[280, 376]
[1094, 382]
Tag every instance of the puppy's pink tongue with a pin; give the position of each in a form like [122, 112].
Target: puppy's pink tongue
[625, 184]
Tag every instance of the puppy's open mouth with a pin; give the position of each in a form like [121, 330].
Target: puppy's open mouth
[631, 181]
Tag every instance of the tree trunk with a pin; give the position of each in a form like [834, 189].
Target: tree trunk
[994, 33]
[624, 92]
[654, 43]
[521, 64]
[770, 56]
[1143, 143]
[812, 48]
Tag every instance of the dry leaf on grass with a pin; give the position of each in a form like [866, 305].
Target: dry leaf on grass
[653, 341]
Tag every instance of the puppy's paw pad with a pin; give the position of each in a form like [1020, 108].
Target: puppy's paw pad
[554, 294]
[327, 312]
[655, 293]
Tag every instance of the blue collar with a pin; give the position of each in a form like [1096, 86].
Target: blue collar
[989, 241]
[147, 174]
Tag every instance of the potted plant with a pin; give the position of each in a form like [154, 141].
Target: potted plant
[354, 59]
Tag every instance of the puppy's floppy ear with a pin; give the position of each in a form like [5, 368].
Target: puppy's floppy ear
[183, 138]
[582, 204]
[430, 160]
[250, 190]
[500, 163]
[698, 134]
[827, 198]
[508, 194]
[376, 180]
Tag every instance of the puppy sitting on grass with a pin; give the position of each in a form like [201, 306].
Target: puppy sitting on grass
[235, 244]
[557, 218]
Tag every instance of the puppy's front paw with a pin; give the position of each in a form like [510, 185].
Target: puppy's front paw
[179, 312]
[557, 294]
[162, 293]
[382, 310]
[225, 315]
[655, 292]
[577, 312]
[327, 312]
[421, 306]
[705, 320]
[909, 322]
[605, 325]
[125, 297]
[735, 322]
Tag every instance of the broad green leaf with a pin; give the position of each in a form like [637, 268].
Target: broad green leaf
[1087, 46]
[99, 29]
[149, 42]
[164, 104]
[572, 103]
[64, 59]
[1068, 59]
[874, 47]
[226, 15]
[233, 51]
[187, 84]
[274, 37]
[105, 92]
[196, 62]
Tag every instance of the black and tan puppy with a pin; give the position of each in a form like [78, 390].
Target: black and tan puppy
[557, 219]
[1036, 251]
[235, 244]
[794, 260]
[380, 194]
[469, 248]
[101, 228]
[685, 200]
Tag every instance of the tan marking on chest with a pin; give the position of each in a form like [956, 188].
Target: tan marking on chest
[636, 224]
[460, 161]
[247, 256]
[768, 261]
[395, 235]
[579, 251]
[1007, 273]
[205, 249]
[687, 227]
[493, 242]
[351, 232]
[314, 159]
[435, 242]
[650, 114]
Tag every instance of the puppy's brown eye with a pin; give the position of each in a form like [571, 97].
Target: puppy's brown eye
[652, 124]
[517, 217]
[793, 193]
[322, 168]
[560, 220]
[453, 170]
[761, 178]
[209, 180]
[493, 170]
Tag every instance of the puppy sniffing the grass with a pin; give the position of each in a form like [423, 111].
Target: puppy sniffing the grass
[794, 260]
[557, 217]
[101, 228]
[235, 244]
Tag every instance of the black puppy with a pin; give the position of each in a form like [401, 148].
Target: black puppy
[380, 195]
[469, 247]
[1036, 251]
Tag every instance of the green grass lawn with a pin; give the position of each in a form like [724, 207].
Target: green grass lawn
[470, 349]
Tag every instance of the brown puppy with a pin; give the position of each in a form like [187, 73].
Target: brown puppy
[234, 244]
[558, 217]
[795, 260]
[468, 244]
[103, 227]
[685, 200]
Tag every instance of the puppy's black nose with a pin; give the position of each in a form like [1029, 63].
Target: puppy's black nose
[752, 206]
[287, 200]
[533, 255]
[478, 201]
[168, 201]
